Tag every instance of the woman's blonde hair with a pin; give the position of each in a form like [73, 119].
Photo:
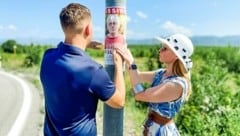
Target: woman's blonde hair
[179, 70]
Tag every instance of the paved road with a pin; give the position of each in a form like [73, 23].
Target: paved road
[11, 99]
[19, 107]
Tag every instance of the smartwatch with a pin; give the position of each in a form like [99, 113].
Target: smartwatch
[133, 67]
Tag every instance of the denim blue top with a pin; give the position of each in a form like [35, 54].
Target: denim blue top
[169, 109]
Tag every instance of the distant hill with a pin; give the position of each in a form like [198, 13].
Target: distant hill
[197, 40]
[213, 40]
[47, 41]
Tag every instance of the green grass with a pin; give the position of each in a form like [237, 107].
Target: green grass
[12, 61]
[215, 73]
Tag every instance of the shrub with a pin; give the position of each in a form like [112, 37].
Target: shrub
[33, 56]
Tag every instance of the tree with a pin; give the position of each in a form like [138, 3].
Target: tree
[8, 46]
[33, 56]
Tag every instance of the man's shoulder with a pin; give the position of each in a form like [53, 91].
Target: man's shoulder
[93, 65]
[84, 64]
[49, 51]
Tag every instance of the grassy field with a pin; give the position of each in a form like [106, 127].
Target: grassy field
[213, 107]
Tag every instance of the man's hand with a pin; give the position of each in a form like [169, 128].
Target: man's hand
[95, 45]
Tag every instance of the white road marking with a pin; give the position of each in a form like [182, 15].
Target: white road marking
[22, 116]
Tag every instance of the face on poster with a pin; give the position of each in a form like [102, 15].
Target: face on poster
[115, 31]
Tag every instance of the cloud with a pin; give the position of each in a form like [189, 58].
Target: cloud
[8, 28]
[8, 31]
[12, 27]
[141, 14]
[174, 28]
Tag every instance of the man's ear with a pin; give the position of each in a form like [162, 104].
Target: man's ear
[87, 30]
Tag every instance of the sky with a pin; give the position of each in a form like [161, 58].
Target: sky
[145, 18]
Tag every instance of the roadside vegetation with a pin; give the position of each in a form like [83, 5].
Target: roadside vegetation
[212, 110]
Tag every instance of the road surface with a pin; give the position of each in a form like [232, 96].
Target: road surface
[20, 106]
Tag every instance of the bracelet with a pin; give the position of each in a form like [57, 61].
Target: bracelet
[138, 88]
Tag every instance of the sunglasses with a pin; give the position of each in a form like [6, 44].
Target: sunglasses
[163, 47]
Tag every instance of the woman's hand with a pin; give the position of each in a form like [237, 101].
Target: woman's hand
[126, 55]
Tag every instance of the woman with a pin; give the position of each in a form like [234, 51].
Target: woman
[170, 87]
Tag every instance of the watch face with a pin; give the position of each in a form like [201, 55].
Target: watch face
[133, 66]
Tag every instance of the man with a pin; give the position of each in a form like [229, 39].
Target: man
[73, 83]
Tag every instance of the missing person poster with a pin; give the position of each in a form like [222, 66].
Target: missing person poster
[115, 18]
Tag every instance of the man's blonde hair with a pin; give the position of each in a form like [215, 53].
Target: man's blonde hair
[72, 17]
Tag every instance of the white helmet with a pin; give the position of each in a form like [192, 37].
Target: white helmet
[182, 46]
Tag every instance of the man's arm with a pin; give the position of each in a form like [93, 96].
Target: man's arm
[118, 98]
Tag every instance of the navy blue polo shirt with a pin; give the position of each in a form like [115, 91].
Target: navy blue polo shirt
[72, 83]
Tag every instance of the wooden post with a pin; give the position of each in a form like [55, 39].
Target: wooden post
[14, 49]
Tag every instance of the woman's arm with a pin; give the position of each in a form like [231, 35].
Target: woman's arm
[165, 92]
[146, 76]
